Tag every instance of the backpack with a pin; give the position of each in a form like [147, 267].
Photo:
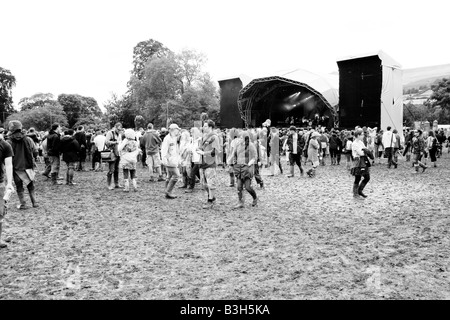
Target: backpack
[434, 143]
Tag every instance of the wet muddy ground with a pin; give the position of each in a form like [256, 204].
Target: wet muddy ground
[307, 239]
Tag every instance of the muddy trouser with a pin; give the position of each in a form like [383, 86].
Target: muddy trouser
[363, 183]
[389, 154]
[257, 175]
[114, 170]
[95, 158]
[54, 163]
[195, 172]
[241, 184]
[48, 166]
[395, 155]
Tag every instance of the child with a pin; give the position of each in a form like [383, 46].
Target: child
[129, 151]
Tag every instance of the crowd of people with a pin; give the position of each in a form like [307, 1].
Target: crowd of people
[192, 156]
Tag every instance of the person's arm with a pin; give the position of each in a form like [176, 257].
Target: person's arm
[122, 144]
[9, 173]
[252, 152]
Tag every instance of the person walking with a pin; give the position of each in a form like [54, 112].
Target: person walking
[80, 136]
[129, 151]
[170, 156]
[112, 141]
[294, 146]
[6, 178]
[233, 139]
[196, 159]
[418, 150]
[70, 149]
[388, 141]
[274, 151]
[361, 165]
[313, 153]
[24, 153]
[432, 146]
[245, 155]
[151, 142]
[53, 140]
[208, 150]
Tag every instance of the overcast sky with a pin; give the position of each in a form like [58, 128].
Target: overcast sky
[86, 46]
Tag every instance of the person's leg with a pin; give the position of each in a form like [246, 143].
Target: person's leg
[54, 171]
[48, 167]
[3, 210]
[109, 175]
[173, 175]
[291, 165]
[356, 186]
[116, 174]
[258, 176]
[210, 185]
[298, 162]
[240, 188]
[149, 163]
[231, 174]
[192, 173]
[366, 178]
[133, 179]
[20, 191]
[31, 191]
[248, 187]
[126, 174]
[433, 157]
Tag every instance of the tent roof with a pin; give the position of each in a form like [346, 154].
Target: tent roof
[386, 60]
[325, 84]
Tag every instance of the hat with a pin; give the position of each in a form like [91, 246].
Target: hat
[14, 125]
[174, 126]
[130, 134]
[292, 128]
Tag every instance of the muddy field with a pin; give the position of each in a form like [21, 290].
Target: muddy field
[307, 239]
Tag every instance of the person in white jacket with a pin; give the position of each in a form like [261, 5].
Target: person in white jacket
[388, 141]
[170, 158]
[129, 151]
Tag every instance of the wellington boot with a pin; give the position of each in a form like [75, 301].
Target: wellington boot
[239, 205]
[170, 186]
[356, 195]
[135, 187]
[33, 199]
[127, 186]
[23, 204]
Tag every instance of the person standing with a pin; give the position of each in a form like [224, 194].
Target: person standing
[245, 155]
[334, 147]
[70, 149]
[196, 160]
[24, 151]
[208, 150]
[432, 146]
[361, 165]
[418, 149]
[294, 146]
[274, 151]
[151, 143]
[313, 153]
[80, 136]
[6, 187]
[99, 145]
[170, 156]
[47, 165]
[185, 156]
[233, 139]
[388, 141]
[53, 140]
[113, 138]
[129, 151]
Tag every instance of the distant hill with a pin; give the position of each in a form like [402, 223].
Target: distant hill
[425, 76]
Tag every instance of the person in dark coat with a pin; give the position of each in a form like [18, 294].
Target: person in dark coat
[53, 140]
[70, 149]
[80, 136]
[24, 151]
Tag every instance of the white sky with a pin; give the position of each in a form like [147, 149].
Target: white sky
[86, 46]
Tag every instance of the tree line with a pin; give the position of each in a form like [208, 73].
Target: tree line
[164, 87]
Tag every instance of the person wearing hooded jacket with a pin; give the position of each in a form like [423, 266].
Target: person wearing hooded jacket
[70, 148]
[24, 151]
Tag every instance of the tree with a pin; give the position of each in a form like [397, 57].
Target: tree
[77, 106]
[190, 64]
[7, 82]
[143, 52]
[40, 118]
[37, 100]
